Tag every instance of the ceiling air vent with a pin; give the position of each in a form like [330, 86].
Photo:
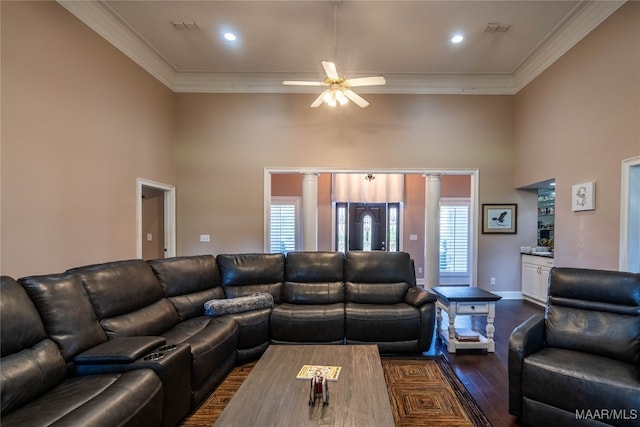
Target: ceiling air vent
[493, 27]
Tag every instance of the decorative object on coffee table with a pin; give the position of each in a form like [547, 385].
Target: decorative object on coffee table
[331, 373]
[465, 300]
[319, 387]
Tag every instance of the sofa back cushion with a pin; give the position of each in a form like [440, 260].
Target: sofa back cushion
[31, 363]
[314, 278]
[127, 298]
[245, 274]
[595, 311]
[189, 282]
[66, 311]
[378, 277]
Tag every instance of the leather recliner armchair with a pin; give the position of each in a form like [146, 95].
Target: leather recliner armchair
[580, 363]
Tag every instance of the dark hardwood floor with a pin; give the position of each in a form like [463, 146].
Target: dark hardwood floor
[484, 374]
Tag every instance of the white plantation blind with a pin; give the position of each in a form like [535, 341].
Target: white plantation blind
[454, 236]
[284, 226]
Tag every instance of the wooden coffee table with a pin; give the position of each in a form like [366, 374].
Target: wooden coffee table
[465, 300]
[272, 396]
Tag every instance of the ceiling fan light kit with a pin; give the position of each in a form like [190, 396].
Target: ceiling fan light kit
[339, 89]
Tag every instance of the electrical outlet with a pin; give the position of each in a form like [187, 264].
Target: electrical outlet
[419, 270]
[493, 281]
[205, 238]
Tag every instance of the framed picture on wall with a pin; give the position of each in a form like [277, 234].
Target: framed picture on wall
[499, 219]
[583, 197]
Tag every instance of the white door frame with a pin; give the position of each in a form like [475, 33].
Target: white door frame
[625, 197]
[475, 191]
[169, 215]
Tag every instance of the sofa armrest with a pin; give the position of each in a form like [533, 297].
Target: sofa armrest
[527, 338]
[418, 297]
[119, 350]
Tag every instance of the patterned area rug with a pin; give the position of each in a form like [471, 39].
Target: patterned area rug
[427, 392]
[423, 392]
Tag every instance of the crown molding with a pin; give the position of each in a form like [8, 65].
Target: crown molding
[100, 20]
[396, 84]
[587, 16]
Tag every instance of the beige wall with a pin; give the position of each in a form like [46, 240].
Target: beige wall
[576, 122]
[80, 122]
[225, 141]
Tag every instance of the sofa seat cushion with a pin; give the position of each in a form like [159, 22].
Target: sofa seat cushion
[212, 341]
[381, 322]
[130, 398]
[307, 323]
[220, 307]
[572, 380]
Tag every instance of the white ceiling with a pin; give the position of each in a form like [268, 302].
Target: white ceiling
[406, 41]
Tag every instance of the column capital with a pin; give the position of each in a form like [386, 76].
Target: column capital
[432, 176]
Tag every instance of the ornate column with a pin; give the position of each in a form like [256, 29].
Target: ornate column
[309, 211]
[432, 231]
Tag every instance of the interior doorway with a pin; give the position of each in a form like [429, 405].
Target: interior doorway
[630, 216]
[459, 183]
[155, 220]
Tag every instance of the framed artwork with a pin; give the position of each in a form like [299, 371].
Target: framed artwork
[499, 219]
[583, 197]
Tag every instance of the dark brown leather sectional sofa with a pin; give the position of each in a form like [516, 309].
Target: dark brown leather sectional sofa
[127, 342]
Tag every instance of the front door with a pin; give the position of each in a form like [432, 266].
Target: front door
[367, 226]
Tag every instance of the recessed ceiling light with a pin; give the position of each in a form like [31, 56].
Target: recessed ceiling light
[457, 39]
[230, 37]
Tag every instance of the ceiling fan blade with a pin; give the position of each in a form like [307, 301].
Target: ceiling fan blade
[330, 69]
[360, 101]
[300, 83]
[319, 100]
[366, 81]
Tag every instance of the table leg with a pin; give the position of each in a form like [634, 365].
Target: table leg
[451, 344]
[439, 321]
[491, 345]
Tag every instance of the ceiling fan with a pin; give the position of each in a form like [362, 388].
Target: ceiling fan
[338, 88]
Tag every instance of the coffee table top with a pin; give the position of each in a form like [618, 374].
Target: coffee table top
[464, 294]
[272, 396]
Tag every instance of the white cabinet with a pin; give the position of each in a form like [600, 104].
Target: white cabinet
[535, 277]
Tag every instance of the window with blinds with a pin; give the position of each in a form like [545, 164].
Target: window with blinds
[454, 237]
[284, 225]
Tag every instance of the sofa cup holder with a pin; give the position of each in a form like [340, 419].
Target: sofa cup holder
[154, 356]
[167, 348]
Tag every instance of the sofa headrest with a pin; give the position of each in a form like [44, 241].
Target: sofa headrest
[601, 290]
[188, 274]
[251, 269]
[379, 267]
[119, 287]
[20, 323]
[66, 311]
[314, 267]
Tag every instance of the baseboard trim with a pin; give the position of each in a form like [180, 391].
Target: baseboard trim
[508, 294]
